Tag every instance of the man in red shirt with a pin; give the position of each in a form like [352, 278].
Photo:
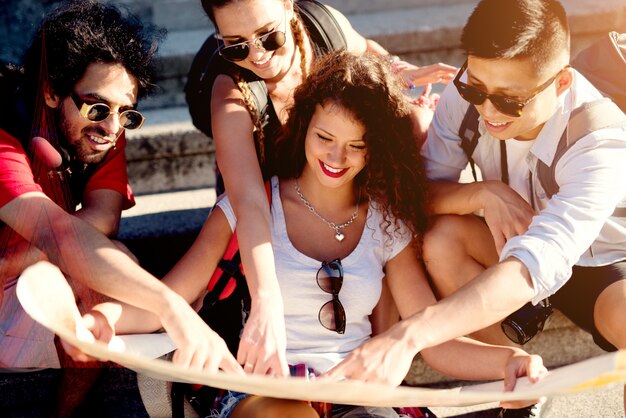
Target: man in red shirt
[61, 196]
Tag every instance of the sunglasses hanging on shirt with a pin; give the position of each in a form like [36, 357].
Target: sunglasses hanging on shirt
[332, 314]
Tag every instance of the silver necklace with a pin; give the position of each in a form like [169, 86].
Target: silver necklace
[339, 236]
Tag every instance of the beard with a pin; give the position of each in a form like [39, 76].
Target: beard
[79, 147]
[80, 150]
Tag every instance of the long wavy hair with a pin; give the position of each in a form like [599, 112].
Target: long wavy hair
[393, 175]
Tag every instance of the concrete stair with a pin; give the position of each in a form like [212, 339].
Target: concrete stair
[171, 163]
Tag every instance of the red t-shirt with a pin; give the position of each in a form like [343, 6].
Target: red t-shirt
[16, 177]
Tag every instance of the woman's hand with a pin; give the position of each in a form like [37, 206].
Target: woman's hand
[522, 364]
[413, 75]
[263, 341]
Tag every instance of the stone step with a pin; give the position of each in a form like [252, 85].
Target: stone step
[188, 14]
[168, 153]
[162, 226]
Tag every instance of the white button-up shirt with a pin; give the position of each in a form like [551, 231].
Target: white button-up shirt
[575, 226]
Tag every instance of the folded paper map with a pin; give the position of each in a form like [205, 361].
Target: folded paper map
[48, 299]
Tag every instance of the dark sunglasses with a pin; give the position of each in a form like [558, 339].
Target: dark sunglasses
[332, 315]
[238, 52]
[504, 104]
[98, 112]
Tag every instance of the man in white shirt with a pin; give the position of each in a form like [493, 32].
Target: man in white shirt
[529, 244]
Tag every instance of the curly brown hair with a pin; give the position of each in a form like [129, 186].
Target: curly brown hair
[393, 175]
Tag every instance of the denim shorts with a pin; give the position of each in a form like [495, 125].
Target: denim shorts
[232, 399]
[229, 401]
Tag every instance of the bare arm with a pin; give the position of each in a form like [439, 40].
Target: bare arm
[101, 209]
[89, 257]
[498, 291]
[263, 341]
[507, 214]
[189, 277]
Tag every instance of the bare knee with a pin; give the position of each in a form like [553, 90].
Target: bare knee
[456, 249]
[609, 313]
[264, 407]
[442, 236]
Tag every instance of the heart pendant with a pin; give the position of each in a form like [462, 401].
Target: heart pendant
[339, 236]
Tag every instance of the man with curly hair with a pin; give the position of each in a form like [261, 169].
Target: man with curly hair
[63, 179]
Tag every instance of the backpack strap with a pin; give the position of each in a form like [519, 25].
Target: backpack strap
[588, 118]
[229, 275]
[468, 132]
[322, 27]
[603, 63]
[261, 97]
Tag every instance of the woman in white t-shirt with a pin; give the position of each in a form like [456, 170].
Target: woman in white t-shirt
[348, 207]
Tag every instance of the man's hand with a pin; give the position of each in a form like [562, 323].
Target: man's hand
[385, 359]
[522, 364]
[507, 214]
[263, 341]
[92, 326]
[199, 347]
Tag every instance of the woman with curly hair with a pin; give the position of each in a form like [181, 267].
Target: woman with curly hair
[266, 40]
[347, 208]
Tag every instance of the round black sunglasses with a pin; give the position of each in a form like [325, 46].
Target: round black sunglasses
[268, 42]
[504, 104]
[332, 315]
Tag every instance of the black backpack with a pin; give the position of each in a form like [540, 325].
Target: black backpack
[325, 33]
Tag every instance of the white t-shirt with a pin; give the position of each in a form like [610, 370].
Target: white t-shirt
[308, 341]
[517, 161]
